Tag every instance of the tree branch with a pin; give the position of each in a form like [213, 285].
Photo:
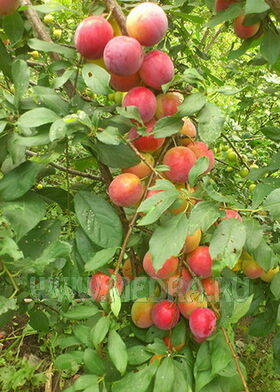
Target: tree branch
[275, 6]
[235, 149]
[117, 13]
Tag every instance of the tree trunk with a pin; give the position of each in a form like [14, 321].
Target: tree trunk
[275, 6]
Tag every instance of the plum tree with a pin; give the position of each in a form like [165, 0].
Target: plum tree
[141, 313]
[146, 143]
[243, 31]
[92, 35]
[188, 130]
[148, 23]
[167, 104]
[141, 170]
[165, 314]
[125, 190]
[168, 269]
[145, 101]
[192, 241]
[202, 322]
[125, 83]
[101, 284]
[7, 7]
[200, 261]
[190, 301]
[123, 56]
[157, 69]
[180, 161]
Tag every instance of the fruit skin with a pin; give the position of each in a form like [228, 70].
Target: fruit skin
[141, 313]
[180, 161]
[178, 284]
[244, 172]
[125, 190]
[125, 83]
[221, 5]
[123, 56]
[231, 214]
[192, 241]
[188, 130]
[168, 269]
[201, 149]
[167, 104]
[127, 270]
[231, 155]
[200, 261]
[165, 315]
[202, 322]
[252, 187]
[157, 69]
[100, 285]
[35, 54]
[148, 23]
[169, 345]
[190, 301]
[141, 170]
[144, 99]
[49, 19]
[250, 267]
[146, 143]
[92, 35]
[269, 275]
[211, 288]
[57, 33]
[242, 31]
[7, 7]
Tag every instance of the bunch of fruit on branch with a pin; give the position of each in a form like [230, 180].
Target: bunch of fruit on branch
[140, 72]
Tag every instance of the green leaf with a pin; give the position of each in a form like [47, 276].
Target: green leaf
[10, 248]
[7, 304]
[200, 167]
[14, 26]
[271, 132]
[98, 219]
[254, 234]
[38, 320]
[120, 156]
[165, 376]
[234, 54]
[80, 312]
[192, 104]
[44, 46]
[219, 353]
[255, 7]
[137, 355]
[202, 216]
[270, 46]
[117, 351]
[85, 381]
[96, 79]
[21, 76]
[5, 60]
[59, 81]
[167, 126]
[275, 286]
[230, 13]
[115, 301]
[25, 213]
[19, 180]
[240, 308]
[104, 256]
[264, 255]
[100, 330]
[210, 123]
[69, 361]
[86, 248]
[263, 323]
[168, 239]
[272, 203]
[110, 136]
[37, 117]
[227, 243]
[136, 382]
[51, 100]
[93, 363]
[58, 130]
[130, 112]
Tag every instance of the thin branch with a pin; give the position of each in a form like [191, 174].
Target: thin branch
[214, 38]
[117, 13]
[226, 164]
[73, 172]
[236, 150]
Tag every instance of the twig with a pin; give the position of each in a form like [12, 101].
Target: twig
[235, 149]
[213, 40]
[64, 169]
[117, 13]
[225, 163]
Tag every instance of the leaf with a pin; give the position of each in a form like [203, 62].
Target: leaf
[25, 213]
[272, 203]
[270, 46]
[263, 323]
[192, 104]
[69, 361]
[240, 308]
[5, 60]
[165, 376]
[7, 304]
[202, 216]
[37, 117]
[10, 248]
[44, 46]
[110, 136]
[104, 256]
[130, 112]
[38, 320]
[168, 239]
[117, 351]
[80, 312]
[275, 286]
[115, 301]
[167, 126]
[21, 76]
[255, 7]
[264, 255]
[230, 13]
[19, 180]
[200, 166]
[93, 363]
[271, 132]
[100, 330]
[98, 219]
[227, 243]
[59, 81]
[58, 130]
[210, 123]
[120, 156]
[51, 100]
[137, 355]
[14, 26]
[219, 353]
[254, 234]
[85, 381]
[136, 382]
[86, 248]
[96, 79]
